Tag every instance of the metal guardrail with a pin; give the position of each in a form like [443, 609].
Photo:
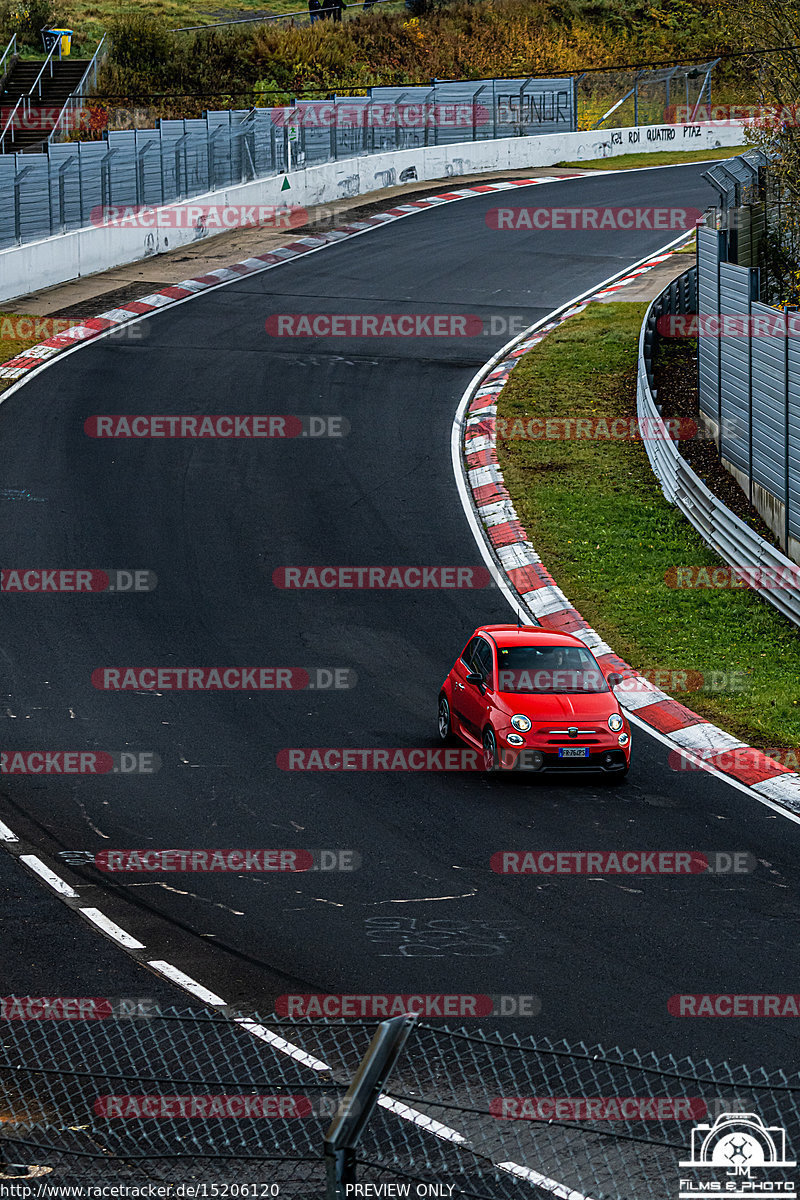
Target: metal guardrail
[735, 542]
[11, 48]
[25, 100]
[87, 83]
[9, 124]
[37, 83]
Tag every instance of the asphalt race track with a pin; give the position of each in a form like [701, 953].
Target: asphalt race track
[214, 519]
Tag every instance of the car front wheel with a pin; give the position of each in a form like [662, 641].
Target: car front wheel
[445, 729]
[490, 760]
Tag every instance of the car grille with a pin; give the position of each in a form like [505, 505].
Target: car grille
[585, 736]
[565, 732]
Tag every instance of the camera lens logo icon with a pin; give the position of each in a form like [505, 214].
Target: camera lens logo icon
[738, 1140]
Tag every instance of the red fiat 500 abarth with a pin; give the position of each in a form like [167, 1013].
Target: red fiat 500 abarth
[535, 700]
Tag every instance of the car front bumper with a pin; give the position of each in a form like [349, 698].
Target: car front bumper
[609, 759]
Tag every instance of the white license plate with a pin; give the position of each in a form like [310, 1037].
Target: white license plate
[573, 752]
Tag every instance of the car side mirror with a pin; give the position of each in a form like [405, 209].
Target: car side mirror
[614, 679]
[476, 678]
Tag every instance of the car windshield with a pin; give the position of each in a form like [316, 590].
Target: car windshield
[548, 670]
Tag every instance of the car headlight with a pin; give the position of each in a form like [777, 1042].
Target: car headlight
[521, 722]
[515, 740]
[615, 722]
[623, 739]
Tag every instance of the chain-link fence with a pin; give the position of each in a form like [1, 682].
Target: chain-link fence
[671, 95]
[194, 1095]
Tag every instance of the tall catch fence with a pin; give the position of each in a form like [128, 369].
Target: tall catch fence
[675, 94]
[181, 1096]
[70, 182]
[749, 377]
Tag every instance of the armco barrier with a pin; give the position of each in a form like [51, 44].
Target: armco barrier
[80, 252]
[735, 542]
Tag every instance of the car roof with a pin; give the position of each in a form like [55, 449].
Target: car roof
[528, 635]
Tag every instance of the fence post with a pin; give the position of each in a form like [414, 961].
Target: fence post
[180, 144]
[575, 83]
[211, 166]
[397, 121]
[105, 179]
[359, 1103]
[475, 101]
[18, 177]
[62, 170]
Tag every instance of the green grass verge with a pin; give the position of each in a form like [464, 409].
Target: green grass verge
[597, 517]
[663, 159]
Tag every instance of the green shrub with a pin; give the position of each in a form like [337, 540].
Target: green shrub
[139, 42]
[26, 19]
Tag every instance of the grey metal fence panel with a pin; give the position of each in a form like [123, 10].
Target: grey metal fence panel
[735, 291]
[65, 191]
[735, 542]
[122, 167]
[33, 213]
[219, 119]
[90, 159]
[768, 367]
[196, 159]
[149, 166]
[751, 226]
[317, 123]
[514, 106]
[267, 137]
[71, 183]
[8, 169]
[709, 253]
[793, 431]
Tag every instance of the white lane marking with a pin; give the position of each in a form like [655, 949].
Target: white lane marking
[110, 929]
[6, 835]
[187, 983]
[279, 1043]
[542, 1181]
[51, 879]
[423, 1120]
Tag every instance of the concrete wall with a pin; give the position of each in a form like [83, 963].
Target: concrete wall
[53, 260]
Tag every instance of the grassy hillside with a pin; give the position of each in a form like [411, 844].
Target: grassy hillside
[463, 39]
